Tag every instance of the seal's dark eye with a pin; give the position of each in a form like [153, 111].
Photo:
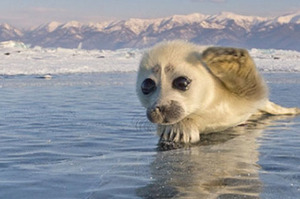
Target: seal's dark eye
[148, 86]
[181, 83]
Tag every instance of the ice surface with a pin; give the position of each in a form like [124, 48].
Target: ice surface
[18, 59]
[85, 136]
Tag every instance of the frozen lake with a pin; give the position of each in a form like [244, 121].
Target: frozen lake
[86, 136]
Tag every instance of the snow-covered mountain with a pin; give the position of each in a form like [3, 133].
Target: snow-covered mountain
[8, 32]
[282, 32]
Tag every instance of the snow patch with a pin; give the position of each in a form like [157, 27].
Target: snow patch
[53, 26]
[18, 59]
[289, 18]
[72, 24]
[13, 44]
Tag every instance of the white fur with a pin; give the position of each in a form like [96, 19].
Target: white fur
[211, 103]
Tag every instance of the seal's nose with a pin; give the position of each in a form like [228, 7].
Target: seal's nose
[157, 109]
[155, 114]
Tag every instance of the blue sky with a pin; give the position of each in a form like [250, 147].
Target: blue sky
[26, 13]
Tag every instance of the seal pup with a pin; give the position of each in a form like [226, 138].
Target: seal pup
[188, 91]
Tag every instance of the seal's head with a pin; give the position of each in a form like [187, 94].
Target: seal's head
[171, 82]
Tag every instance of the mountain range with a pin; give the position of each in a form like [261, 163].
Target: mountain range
[225, 29]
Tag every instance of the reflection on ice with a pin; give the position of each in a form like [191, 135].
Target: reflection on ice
[223, 165]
